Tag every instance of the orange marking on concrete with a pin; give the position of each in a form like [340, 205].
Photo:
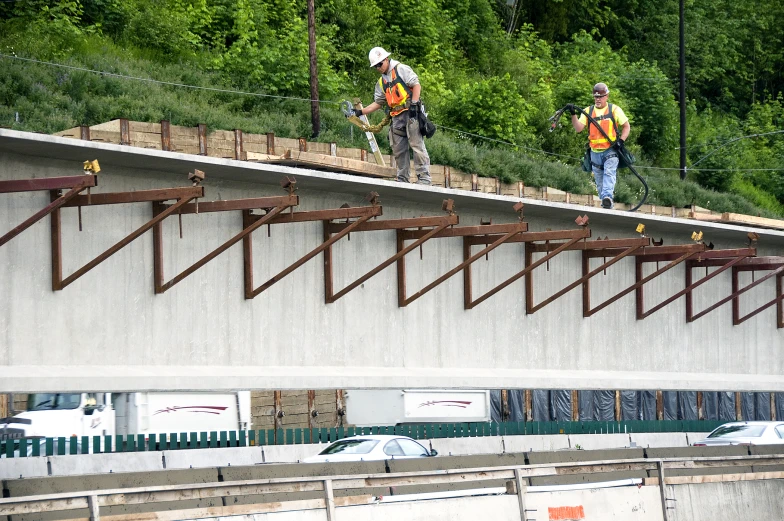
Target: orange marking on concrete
[566, 513]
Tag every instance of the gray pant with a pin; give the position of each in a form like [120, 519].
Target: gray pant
[404, 134]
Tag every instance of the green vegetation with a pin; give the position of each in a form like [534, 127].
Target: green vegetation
[497, 85]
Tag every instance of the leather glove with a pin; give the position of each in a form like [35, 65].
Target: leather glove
[413, 109]
[619, 142]
[357, 112]
[572, 109]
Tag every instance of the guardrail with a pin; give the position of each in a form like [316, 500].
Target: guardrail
[356, 484]
[215, 439]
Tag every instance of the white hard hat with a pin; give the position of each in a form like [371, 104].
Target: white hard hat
[377, 55]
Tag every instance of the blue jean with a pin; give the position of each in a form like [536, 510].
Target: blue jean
[605, 174]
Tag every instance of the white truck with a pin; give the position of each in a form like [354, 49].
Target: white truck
[367, 408]
[93, 414]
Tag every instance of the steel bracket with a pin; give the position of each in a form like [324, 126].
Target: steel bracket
[76, 184]
[724, 259]
[438, 225]
[571, 236]
[509, 231]
[617, 249]
[182, 195]
[775, 267]
[273, 206]
[362, 214]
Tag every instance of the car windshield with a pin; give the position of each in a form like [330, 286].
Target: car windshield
[350, 447]
[738, 431]
[46, 401]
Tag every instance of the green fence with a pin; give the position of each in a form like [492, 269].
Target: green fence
[203, 440]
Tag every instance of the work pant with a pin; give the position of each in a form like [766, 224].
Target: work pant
[605, 167]
[404, 134]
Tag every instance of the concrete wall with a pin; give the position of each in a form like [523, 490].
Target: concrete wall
[114, 334]
[729, 501]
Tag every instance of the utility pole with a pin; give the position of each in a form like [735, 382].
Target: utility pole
[683, 91]
[314, 103]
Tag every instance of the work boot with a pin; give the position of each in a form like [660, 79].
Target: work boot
[607, 203]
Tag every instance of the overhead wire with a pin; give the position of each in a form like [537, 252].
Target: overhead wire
[331, 102]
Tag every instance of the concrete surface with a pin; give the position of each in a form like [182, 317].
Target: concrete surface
[203, 333]
[594, 442]
[204, 458]
[659, 439]
[462, 446]
[290, 453]
[535, 443]
[23, 467]
[730, 501]
[106, 463]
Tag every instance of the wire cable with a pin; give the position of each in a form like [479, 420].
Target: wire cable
[160, 82]
[733, 141]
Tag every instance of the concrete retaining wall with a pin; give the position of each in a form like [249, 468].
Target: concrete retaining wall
[732, 501]
[659, 439]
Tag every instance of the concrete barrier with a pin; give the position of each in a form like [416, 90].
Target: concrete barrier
[106, 463]
[565, 456]
[202, 458]
[290, 453]
[535, 443]
[600, 442]
[465, 446]
[13, 468]
[659, 439]
[628, 503]
[694, 437]
[727, 501]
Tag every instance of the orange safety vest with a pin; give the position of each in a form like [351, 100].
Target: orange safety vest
[607, 121]
[396, 92]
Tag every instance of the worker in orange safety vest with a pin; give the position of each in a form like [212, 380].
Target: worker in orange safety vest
[604, 156]
[398, 90]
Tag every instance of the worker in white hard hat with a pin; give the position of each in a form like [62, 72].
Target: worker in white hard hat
[604, 155]
[398, 91]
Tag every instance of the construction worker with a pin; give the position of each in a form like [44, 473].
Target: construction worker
[604, 155]
[398, 90]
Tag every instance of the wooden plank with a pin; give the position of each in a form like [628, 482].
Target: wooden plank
[750, 220]
[707, 217]
[325, 162]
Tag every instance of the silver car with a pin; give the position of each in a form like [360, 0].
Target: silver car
[745, 433]
[371, 448]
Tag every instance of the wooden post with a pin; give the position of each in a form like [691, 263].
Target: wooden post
[363, 154]
[271, 143]
[529, 408]
[659, 405]
[239, 153]
[202, 139]
[303, 144]
[700, 409]
[447, 177]
[278, 408]
[497, 186]
[165, 135]
[738, 409]
[575, 406]
[311, 410]
[474, 182]
[333, 149]
[773, 406]
[84, 132]
[340, 412]
[617, 405]
[4, 409]
[125, 132]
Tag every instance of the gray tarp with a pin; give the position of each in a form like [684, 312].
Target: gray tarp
[710, 405]
[670, 399]
[647, 401]
[585, 400]
[748, 406]
[687, 405]
[763, 406]
[779, 406]
[727, 406]
[629, 405]
[561, 405]
[516, 399]
[541, 406]
[495, 407]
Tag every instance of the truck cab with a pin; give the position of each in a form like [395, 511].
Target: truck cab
[61, 414]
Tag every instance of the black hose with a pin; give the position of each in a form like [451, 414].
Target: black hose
[558, 115]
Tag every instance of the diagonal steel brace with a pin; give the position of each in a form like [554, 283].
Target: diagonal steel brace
[778, 300]
[530, 308]
[573, 237]
[76, 184]
[275, 206]
[183, 196]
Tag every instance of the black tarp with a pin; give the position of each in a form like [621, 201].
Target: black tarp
[604, 405]
[561, 405]
[495, 407]
[763, 406]
[748, 406]
[687, 405]
[779, 406]
[516, 399]
[647, 401]
[670, 401]
[727, 406]
[541, 405]
[710, 405]
[585, 400]
[629, 405]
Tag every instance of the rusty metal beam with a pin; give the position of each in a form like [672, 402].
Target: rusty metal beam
[737, 319]
[686, 252]
[140, 196]
[440, 222]
[516, 230]
[47, 183]
[614, 246]
[556, 235]
[283, 203]
[530, 308]
[238, 204]
[691, 286]
[763, 262]
[75, 183]
[252, 293]
[395, 224]
[483, 230]
[575, 235]
[184, 195]
[349, 212]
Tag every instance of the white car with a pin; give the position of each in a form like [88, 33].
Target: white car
[371, 448]
[745, 433]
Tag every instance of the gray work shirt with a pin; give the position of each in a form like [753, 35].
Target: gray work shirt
[406, 74]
